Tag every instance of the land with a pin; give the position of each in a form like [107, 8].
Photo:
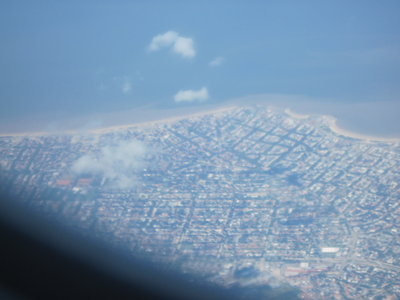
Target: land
[245, 195]
[332, 123]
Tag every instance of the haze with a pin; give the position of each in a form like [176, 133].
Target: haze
[76, 59]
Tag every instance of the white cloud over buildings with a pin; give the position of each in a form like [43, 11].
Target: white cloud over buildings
[181, 45]
[191, 95]
[118, 163]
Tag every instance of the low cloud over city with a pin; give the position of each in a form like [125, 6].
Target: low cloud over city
[117, 163]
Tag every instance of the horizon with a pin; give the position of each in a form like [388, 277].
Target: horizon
[103, 124]
[363, 120]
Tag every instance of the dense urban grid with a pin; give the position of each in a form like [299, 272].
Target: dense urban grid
[247, 195]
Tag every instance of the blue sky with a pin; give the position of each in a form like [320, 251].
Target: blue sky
[91, 56]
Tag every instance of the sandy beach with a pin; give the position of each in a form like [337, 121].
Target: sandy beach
[161, 121]
[332, 122]
[294, 115]
[341, 131]
[23, 134]
[147, 124]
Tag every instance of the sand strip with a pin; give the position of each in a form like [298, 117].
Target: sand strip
[332, 123]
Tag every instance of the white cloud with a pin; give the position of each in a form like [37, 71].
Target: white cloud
[121, 83]
[163, 40]
[179, 44]
[184, 46]
[191, 95]
[126, 87]
[118, 163]
[217, 61]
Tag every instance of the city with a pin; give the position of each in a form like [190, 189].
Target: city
[247, 195]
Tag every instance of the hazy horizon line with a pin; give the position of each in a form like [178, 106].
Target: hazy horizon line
[297, 104]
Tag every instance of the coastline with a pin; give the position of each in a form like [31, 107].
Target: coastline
[334, 127]
[331, 121]
[111, 128]
[294, 115]
[167, 120]
[23, 134]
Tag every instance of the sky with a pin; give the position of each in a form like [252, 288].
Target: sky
[81, 57]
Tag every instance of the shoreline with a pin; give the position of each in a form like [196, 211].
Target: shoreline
[167, 120]
[334, 127]
[295, 115]
[111, 128]
[331, 121]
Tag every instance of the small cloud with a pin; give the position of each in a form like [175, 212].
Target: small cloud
[126, 86]
[163, 40]
[217, 61]
[191, 95]
[117, 163]
[184, 46]
[179, 44]
[122, 83]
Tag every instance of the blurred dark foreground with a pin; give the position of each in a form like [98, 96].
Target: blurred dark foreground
[40, 259]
